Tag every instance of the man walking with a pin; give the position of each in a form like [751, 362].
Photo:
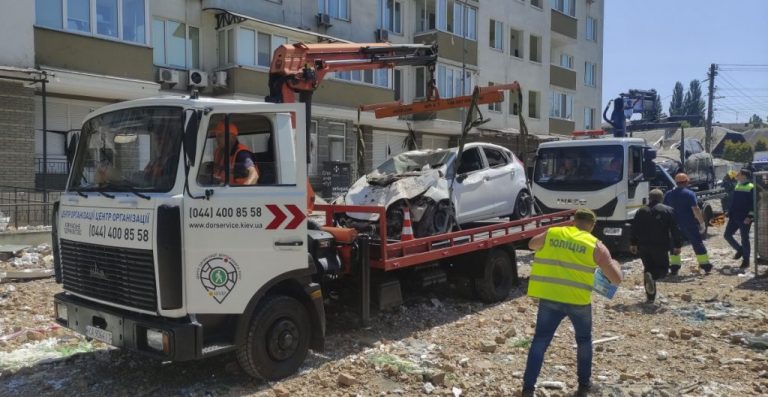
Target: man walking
[654, 236]
[689, 220]
[740, 216]
[562, 276]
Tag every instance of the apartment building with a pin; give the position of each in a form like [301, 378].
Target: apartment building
[95, 52]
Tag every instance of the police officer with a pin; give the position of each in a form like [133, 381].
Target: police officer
[740, 216]
[689, 220]
[654, 236]
[562, 276]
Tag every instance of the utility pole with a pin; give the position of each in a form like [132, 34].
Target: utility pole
[711, 97]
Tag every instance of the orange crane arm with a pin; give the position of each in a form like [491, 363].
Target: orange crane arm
[299, 68]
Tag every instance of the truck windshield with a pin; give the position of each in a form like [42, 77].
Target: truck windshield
[579, 168]
[129, 150]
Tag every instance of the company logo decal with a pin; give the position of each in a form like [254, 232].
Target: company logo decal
[219, 274]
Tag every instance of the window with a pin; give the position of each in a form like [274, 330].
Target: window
[589, 118]
[175, 44]
[536, 3]
[516, 43]
[494, 106]
[336, 150]
[450, 82]
[534, 106]
[470, 161]
[378, 77]
[590, 70]
[495, 157]
[561, 105]
[567, 7]
[391, 15]
[421, 83]
[591, 29]
[252, 150]
[535, 47]
[495, 38]
[338, 9]
[447, 15]
[398, 84]
[120, 19]
[313, 161]
[566, 61]
[79, 15]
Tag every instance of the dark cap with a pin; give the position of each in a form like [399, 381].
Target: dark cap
[584, 214]
[746, 172]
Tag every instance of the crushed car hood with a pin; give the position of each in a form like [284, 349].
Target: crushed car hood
[387, 189]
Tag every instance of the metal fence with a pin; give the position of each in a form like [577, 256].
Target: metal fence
[21, 207]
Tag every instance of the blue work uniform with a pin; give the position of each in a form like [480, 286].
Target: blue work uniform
[682, 200]
[742, 207]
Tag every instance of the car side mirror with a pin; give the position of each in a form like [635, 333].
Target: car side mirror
[461, 177]
[190, 136]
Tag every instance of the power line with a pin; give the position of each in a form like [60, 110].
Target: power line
[735, 85]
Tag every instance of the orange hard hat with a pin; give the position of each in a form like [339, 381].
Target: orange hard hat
[219, 129]
[681, 178]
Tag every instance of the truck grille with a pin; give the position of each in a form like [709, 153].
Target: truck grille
[118, 275]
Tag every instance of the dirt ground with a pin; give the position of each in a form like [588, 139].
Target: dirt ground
[700, 338]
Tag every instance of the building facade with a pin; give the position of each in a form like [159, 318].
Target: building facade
[96, 52]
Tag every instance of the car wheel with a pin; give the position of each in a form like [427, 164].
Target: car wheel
[395, 217]
[444, 219]
[278, 339]
[523, 205]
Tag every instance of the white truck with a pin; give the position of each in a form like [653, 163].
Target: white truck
[612, 176]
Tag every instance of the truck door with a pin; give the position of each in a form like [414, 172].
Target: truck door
[248, 232]
[637, 187]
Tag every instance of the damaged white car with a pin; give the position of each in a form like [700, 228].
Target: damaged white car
[490, 182]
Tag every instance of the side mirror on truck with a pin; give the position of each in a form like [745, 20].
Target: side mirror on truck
[190, 136]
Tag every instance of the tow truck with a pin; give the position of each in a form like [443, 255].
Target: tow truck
[611, 175]
[164, 259]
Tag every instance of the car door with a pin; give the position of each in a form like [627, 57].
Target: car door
[471, 193]
[500, 180]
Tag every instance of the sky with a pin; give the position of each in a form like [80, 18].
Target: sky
[655, 43]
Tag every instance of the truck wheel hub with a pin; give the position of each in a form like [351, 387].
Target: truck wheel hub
[283, 339]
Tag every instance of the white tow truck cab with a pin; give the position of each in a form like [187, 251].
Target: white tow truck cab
[608, 175]
[158, 254]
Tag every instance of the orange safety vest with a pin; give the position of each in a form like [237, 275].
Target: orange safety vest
[219, 171]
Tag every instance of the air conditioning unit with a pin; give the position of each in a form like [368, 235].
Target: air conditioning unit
[323, 20]
[219, 79]
[382, 35]
[167, 76]
[198, 78]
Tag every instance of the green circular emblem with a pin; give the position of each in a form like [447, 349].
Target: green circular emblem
[219, 277]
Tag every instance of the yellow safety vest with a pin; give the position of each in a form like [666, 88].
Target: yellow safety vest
[563, 270]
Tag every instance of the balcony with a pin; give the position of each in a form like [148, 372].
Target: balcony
[450, 46]
[560, 126]
[564, 24]
[562, 77]
[89, 54]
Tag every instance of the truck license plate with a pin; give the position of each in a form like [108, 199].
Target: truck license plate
[98, 334]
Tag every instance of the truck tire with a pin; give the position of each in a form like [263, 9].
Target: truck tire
[495, 278]
[278, 339]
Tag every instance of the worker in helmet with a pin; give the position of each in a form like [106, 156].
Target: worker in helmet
[242, 169]
[689, 220]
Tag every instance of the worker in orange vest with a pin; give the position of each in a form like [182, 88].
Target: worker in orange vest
[242, 169]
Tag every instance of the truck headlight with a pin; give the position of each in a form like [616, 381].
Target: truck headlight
[61, 312]
[158, 340]
[612, 231]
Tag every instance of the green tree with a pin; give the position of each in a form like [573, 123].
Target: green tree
[740, 152]
[655, 113]
[755, 121]
[685, 124]
[693, 104]
[676, 104]
[761, 145]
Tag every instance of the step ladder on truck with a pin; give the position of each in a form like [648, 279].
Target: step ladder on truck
[177, 260]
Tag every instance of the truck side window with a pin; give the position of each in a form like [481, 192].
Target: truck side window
[251, 159]
[635, 163]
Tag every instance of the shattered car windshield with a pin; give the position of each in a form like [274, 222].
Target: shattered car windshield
[129, 150]
[586, 167]
[414, 162]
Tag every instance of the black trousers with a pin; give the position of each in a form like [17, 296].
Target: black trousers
[655, 260]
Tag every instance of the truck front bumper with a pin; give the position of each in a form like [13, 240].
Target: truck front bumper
[614, 234]
[165, 339]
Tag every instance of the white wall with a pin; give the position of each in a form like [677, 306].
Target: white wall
[17, 32]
